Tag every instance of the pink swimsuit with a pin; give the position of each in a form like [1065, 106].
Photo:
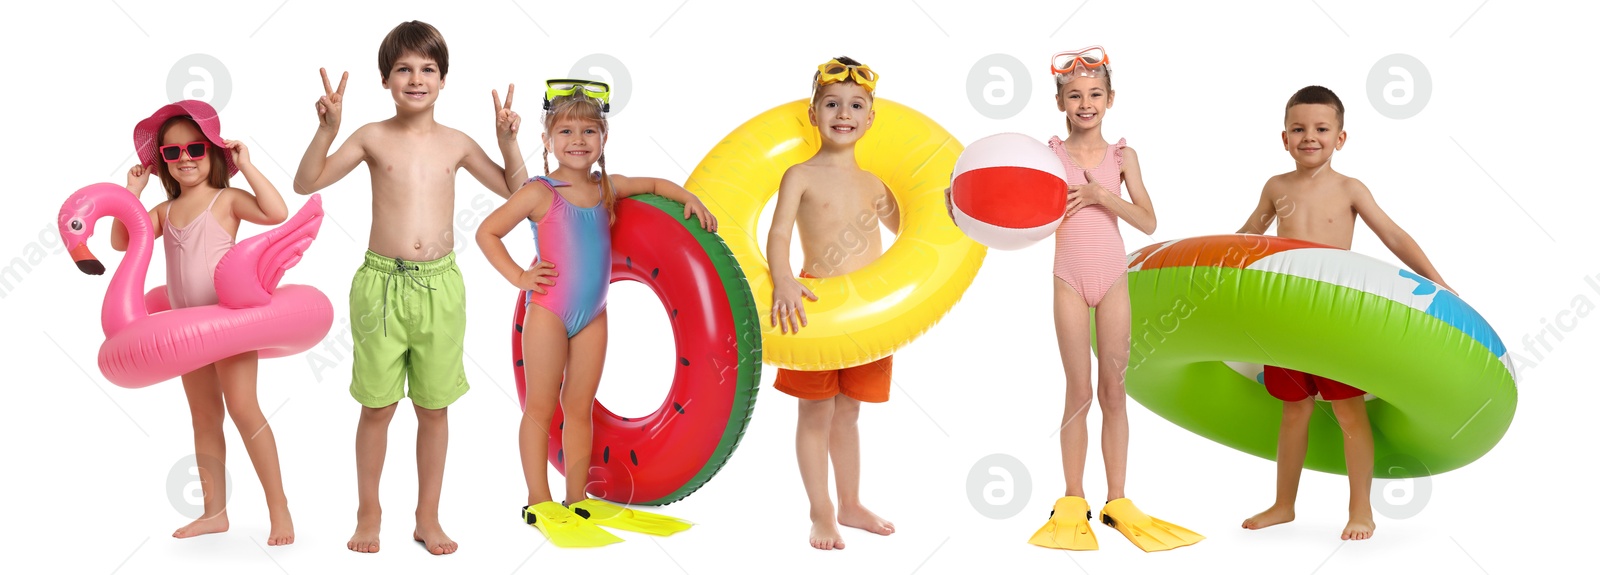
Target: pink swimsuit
[1089, 252]
[192, 255]
[579, 240]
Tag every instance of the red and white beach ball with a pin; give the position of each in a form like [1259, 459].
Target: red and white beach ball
[1009, 191]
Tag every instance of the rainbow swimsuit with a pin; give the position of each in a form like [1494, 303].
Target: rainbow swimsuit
[578, 241]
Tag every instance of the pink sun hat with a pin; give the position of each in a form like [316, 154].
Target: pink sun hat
[147, 133]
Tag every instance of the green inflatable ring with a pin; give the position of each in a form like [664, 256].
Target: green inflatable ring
[1208, 311]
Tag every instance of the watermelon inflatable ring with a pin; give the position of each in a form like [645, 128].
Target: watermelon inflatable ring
[666, 455]
[1208, 311]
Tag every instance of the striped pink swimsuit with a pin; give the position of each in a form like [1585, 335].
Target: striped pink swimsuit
[1089, 252]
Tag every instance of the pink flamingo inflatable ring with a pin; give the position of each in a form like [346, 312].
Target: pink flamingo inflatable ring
[148, 342]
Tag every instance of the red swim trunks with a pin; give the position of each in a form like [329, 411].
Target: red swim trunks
[1290, 385]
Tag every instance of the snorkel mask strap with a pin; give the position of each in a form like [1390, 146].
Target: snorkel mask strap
[1080, 71]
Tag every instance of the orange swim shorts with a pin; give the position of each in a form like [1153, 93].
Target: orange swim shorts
[869, 383]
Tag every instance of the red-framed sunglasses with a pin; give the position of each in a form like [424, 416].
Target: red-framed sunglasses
[196, 150]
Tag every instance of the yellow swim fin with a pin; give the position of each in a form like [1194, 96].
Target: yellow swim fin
[607, 514]
[1068, 527]
[1147, 532]
[564, 528]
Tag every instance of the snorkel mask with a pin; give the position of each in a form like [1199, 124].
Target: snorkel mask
[566, 87]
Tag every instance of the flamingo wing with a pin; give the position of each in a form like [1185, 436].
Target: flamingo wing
[249, 274]
[155, 300]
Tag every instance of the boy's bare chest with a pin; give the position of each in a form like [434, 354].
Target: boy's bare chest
[841, 199]
[1314, 205]
[413, 159]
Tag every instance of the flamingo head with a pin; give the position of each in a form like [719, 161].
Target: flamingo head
[76, 224]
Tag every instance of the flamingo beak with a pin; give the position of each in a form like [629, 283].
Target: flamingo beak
[86, 261]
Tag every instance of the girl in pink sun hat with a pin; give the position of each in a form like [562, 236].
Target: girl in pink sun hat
[181, 143]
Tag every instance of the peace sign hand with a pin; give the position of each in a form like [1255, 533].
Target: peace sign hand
[331, 104]
[506, 121]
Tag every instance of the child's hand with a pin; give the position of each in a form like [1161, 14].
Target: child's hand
[949, 205]
[241, 155]
[788, 306]
[698, 209]
[138, 176]
[536, 276]
[1083, 195]
[506, 121]
[331, 104]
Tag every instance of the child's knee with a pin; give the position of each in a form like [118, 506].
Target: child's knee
[577, 407]
[207, 419]
[539, 409]
[846, 407]
[432, 415]
[1350, 412]
[1299, 410]
[246, 413]
[1079, 398]
[846, 415]
[816, 411]
[1112, 393]
[378, 415]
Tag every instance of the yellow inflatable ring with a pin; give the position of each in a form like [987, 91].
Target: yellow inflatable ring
[866, 315]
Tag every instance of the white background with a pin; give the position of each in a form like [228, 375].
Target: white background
[1485, 178]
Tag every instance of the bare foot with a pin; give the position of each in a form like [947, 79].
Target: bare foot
[282, 528]
[859, 518]
[825, 536]
[214, 524]
[366, 538]
[432, 537]
[1359, 528]
[1272, 516]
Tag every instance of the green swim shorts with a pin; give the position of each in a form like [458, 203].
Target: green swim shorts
[408, 320]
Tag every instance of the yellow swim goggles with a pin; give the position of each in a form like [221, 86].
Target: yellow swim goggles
[836, 71]
[566, 87]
